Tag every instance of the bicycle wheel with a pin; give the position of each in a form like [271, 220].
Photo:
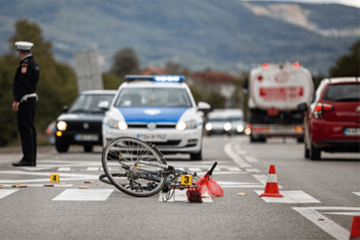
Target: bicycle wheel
[124, 161]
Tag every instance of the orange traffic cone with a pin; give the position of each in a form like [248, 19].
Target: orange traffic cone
[355, 228]
[272, 188]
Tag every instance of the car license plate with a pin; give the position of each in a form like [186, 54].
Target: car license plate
[86, 137]
[152, 137]
[352, 131]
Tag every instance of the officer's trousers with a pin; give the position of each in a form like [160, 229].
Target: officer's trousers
[26, 126]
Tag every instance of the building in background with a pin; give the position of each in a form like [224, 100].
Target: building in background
[87, 71]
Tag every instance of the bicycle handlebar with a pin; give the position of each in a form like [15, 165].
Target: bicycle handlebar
[212, 169]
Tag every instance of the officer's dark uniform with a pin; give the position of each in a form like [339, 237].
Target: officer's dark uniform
[25, 82]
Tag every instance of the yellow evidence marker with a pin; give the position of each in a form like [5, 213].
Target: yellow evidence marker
[186, 180]
[54, 178]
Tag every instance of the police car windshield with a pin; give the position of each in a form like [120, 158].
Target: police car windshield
[87, 103]
[149, 97]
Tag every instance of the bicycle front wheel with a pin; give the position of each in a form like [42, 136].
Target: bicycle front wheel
[133, 166]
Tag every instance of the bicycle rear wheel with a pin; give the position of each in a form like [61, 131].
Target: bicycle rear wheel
[124, 162]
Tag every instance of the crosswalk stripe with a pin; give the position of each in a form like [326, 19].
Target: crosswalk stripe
[92, 169]
[290, 197]
[64, 169]
[6, 192]
[233, 169]
[180, 196]
[42, 185]
[84, 195]
[195, 169]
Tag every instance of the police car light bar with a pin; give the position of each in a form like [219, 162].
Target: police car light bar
[156, 78]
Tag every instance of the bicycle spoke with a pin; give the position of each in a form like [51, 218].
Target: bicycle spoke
[121, 162]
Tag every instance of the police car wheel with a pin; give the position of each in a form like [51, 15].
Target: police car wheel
[88, 148]
[196, 156]
[61, 147]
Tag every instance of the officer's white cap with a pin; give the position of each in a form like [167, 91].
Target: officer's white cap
[24, 46]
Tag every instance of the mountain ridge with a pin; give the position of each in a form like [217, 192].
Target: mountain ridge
[229, 36]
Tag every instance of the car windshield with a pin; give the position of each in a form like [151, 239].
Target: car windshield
[218, 119]
[343, 92]
[159, 97]
[88, 103]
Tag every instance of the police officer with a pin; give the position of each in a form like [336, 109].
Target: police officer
[25, 101]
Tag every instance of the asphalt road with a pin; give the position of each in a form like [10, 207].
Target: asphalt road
[320, 197]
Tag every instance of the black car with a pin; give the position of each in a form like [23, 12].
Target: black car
[81, 123]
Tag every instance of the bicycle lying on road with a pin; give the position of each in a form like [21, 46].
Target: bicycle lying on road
[138, 168]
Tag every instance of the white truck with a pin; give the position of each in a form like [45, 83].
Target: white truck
[275, 91]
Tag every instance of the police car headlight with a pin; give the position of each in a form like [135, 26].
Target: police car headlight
[121, 125]
[182, 125]
[61, 125]
[208, 127]
[240, 128]
[227, 126]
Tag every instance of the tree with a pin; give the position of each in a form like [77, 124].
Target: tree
[347, 65]
[112, 81]
[175, 68]
[125, 62]
[57, 85]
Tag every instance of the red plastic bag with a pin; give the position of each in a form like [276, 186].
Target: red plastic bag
[207, 184]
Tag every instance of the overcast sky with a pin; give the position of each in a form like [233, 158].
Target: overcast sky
[354, 3]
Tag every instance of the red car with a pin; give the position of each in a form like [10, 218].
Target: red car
[332, 121]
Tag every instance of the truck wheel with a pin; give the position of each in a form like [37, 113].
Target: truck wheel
[306, 152]
[315, 153]
[300, 140]
[252, 139]
[61, 147]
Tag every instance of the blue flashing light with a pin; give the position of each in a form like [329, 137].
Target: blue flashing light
[169, 78]
[156, 78]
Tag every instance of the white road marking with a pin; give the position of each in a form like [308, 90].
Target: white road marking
[84, 195]
[6, 192]
[357, 193]
[94, 169]
[233, 169]
[326, 224]
[222, 173]
[64, 169]
[236, 158]
[195, 169]
[180, 196]
[250, 158]
[344, 213]
[254, 170]
[239, 184]
[63, 176]
[240, 152]
[290, 197]
[41, 185]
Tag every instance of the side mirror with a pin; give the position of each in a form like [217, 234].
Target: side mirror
[302, 107]
[104, 105]
[204, 106]
[65, 109]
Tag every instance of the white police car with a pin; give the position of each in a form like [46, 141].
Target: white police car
[157, 109]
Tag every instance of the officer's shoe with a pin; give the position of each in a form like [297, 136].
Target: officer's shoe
[23, 163]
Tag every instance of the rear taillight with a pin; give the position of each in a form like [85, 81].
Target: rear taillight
[320, 108]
